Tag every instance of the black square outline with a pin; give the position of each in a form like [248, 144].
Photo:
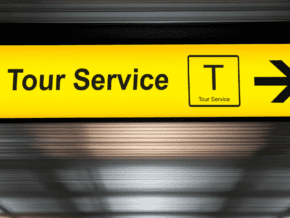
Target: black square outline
[238, 81]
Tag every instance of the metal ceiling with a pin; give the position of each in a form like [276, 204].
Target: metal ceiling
[140, 11]
[201, 169]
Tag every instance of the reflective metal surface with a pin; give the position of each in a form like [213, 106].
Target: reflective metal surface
[141, 11]
[193, 169]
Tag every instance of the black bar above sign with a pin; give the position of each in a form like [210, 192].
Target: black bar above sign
[173, 33]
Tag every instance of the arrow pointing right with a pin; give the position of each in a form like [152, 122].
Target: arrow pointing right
[277, 81]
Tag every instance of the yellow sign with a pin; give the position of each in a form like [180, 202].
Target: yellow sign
[144, 81]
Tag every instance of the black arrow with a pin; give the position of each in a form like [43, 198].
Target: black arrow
[277, 81]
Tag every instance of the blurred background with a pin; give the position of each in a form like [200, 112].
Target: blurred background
[160, 170]
[143, 11]
[156, 170]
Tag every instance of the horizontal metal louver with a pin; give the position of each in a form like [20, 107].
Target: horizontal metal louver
[202, 169]
[137, 11]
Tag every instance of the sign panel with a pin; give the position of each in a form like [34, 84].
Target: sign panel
[144, 81]
[204, 76]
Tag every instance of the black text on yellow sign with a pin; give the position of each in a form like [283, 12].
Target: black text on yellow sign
[98, 82]
[144, 81]
[213, 81]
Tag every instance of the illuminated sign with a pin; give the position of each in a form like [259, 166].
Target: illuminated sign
[144, 81]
